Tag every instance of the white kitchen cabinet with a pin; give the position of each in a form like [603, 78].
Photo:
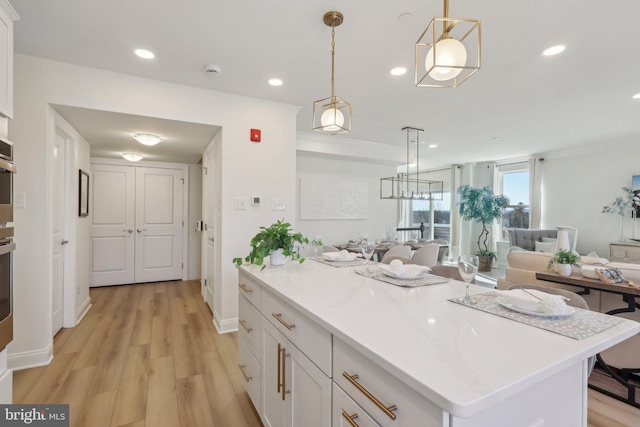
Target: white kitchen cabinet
[295, 391]
[7, 16]
[347, 413]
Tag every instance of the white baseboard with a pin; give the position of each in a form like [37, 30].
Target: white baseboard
[30, 359]
[83, 309]
[225, 326]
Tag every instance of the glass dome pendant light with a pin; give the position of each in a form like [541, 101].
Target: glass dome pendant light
[448, 52]
[332, 116]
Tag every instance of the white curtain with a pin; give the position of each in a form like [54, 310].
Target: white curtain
[535, 192]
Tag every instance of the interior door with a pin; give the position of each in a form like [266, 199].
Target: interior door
[112, 214]
[59, 242]
[158, 246]
[209, 203]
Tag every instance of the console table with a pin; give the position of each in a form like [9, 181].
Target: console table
[625, 252]
[629, 295]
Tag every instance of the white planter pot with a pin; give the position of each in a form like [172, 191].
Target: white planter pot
[564, 269]
[277, 258]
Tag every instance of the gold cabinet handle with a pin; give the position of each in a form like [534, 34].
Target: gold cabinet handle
[245, 327]
[279, 318]
[283, 373]
[350, 418]
[244, 288]
[386, 409]
[279, 367]
[247, 378]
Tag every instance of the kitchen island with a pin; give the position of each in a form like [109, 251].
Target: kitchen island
[326, 346]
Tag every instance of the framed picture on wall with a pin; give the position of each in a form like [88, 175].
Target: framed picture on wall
[83, 194]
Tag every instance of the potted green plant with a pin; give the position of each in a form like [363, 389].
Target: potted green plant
[564, 260]
[482, 206]
[278, 242]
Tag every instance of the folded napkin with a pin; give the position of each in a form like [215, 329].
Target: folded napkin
[343, 255]
[526, 300]
[403, 271]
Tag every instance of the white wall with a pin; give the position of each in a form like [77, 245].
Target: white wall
[575, 187]
[381, 213]
[268, 168]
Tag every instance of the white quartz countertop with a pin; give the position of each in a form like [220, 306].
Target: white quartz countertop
[462, 359]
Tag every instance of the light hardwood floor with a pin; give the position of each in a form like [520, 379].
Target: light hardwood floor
[148, 355]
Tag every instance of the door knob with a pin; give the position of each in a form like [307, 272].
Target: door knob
[140, 230]
[128, 230]
[63, 242]
[211, 239]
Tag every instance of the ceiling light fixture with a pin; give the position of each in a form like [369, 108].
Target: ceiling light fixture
[275, 82]
[636, 96]
[553, 50]
[450, 49]
[398, 71]
[147, 138]
[409, 186]
[332, 116]
[132, 157]
[432, 146]
[144, 53]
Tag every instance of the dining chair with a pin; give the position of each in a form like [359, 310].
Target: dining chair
[403, 251]
[574, 300]
[448, 271]
[387, 260]
[426, 255]
[329, 248]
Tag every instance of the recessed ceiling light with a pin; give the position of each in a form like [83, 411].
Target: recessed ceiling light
[147, 138]
[636, 96]
[144, 53]
[132, 157]
[432, 145]
[398, 71]
[553, 50]
[275, 82]
[405, 18]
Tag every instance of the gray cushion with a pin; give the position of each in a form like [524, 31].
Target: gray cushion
[526, 239]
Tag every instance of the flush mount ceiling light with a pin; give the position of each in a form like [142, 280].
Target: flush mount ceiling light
[332, 116]
[147, 138]
[448, 51]
[132, 157]
[409, 186]
[144, 53]
[275, 82]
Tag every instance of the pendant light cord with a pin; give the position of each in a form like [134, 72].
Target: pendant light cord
[333, 54]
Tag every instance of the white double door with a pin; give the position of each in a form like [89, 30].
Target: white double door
[136, 224]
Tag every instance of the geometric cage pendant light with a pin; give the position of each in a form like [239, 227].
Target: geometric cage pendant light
[448, 52]
[332, 116]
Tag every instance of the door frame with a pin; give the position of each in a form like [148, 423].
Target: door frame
[185, 197]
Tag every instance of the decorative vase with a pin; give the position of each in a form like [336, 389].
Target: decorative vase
[277, 257]
[484, 263]
[564, 269]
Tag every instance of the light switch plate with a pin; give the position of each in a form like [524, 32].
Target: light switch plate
[240, 203]
[19, 200]
[277, 204]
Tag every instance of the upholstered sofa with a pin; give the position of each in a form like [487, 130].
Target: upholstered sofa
[523, 266]
[526, 239]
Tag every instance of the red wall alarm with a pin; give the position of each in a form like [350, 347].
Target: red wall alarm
[255, 135]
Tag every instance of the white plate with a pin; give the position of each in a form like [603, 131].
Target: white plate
[568, 311]
[408, 272]
[338, 257]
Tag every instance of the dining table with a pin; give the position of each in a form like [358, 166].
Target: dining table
[382, 249]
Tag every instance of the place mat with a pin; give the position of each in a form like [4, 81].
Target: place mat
[429, 279]
[579, 325]
[356, 262]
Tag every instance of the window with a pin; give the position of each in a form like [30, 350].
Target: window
[438, 225]
[513, 180]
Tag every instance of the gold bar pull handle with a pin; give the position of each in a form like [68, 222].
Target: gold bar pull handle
[247, 378]
[279, 367]
[279, 318]
[350, 419]
[386, 409]
[244, 288]
[245, 327]
[283, 373]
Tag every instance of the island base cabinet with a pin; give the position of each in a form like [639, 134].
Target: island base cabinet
[347, 413]
[251, 374]
[295, 391]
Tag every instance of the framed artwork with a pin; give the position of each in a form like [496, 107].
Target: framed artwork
[83, 194]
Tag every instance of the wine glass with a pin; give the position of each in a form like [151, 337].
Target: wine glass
[317, 241]
[468, 267]
[367, 247]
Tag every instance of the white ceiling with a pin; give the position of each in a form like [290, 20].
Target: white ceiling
[531, 104]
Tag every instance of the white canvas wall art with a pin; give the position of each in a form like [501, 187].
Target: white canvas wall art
[333, 199]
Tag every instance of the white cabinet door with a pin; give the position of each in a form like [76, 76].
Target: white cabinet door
[59, 241]
[158, 224]
[295, 391]
[112, 212]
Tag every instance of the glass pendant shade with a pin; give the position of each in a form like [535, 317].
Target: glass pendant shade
[332, 119]
[446, 59]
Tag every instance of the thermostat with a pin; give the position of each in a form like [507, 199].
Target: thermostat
[255, 201]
